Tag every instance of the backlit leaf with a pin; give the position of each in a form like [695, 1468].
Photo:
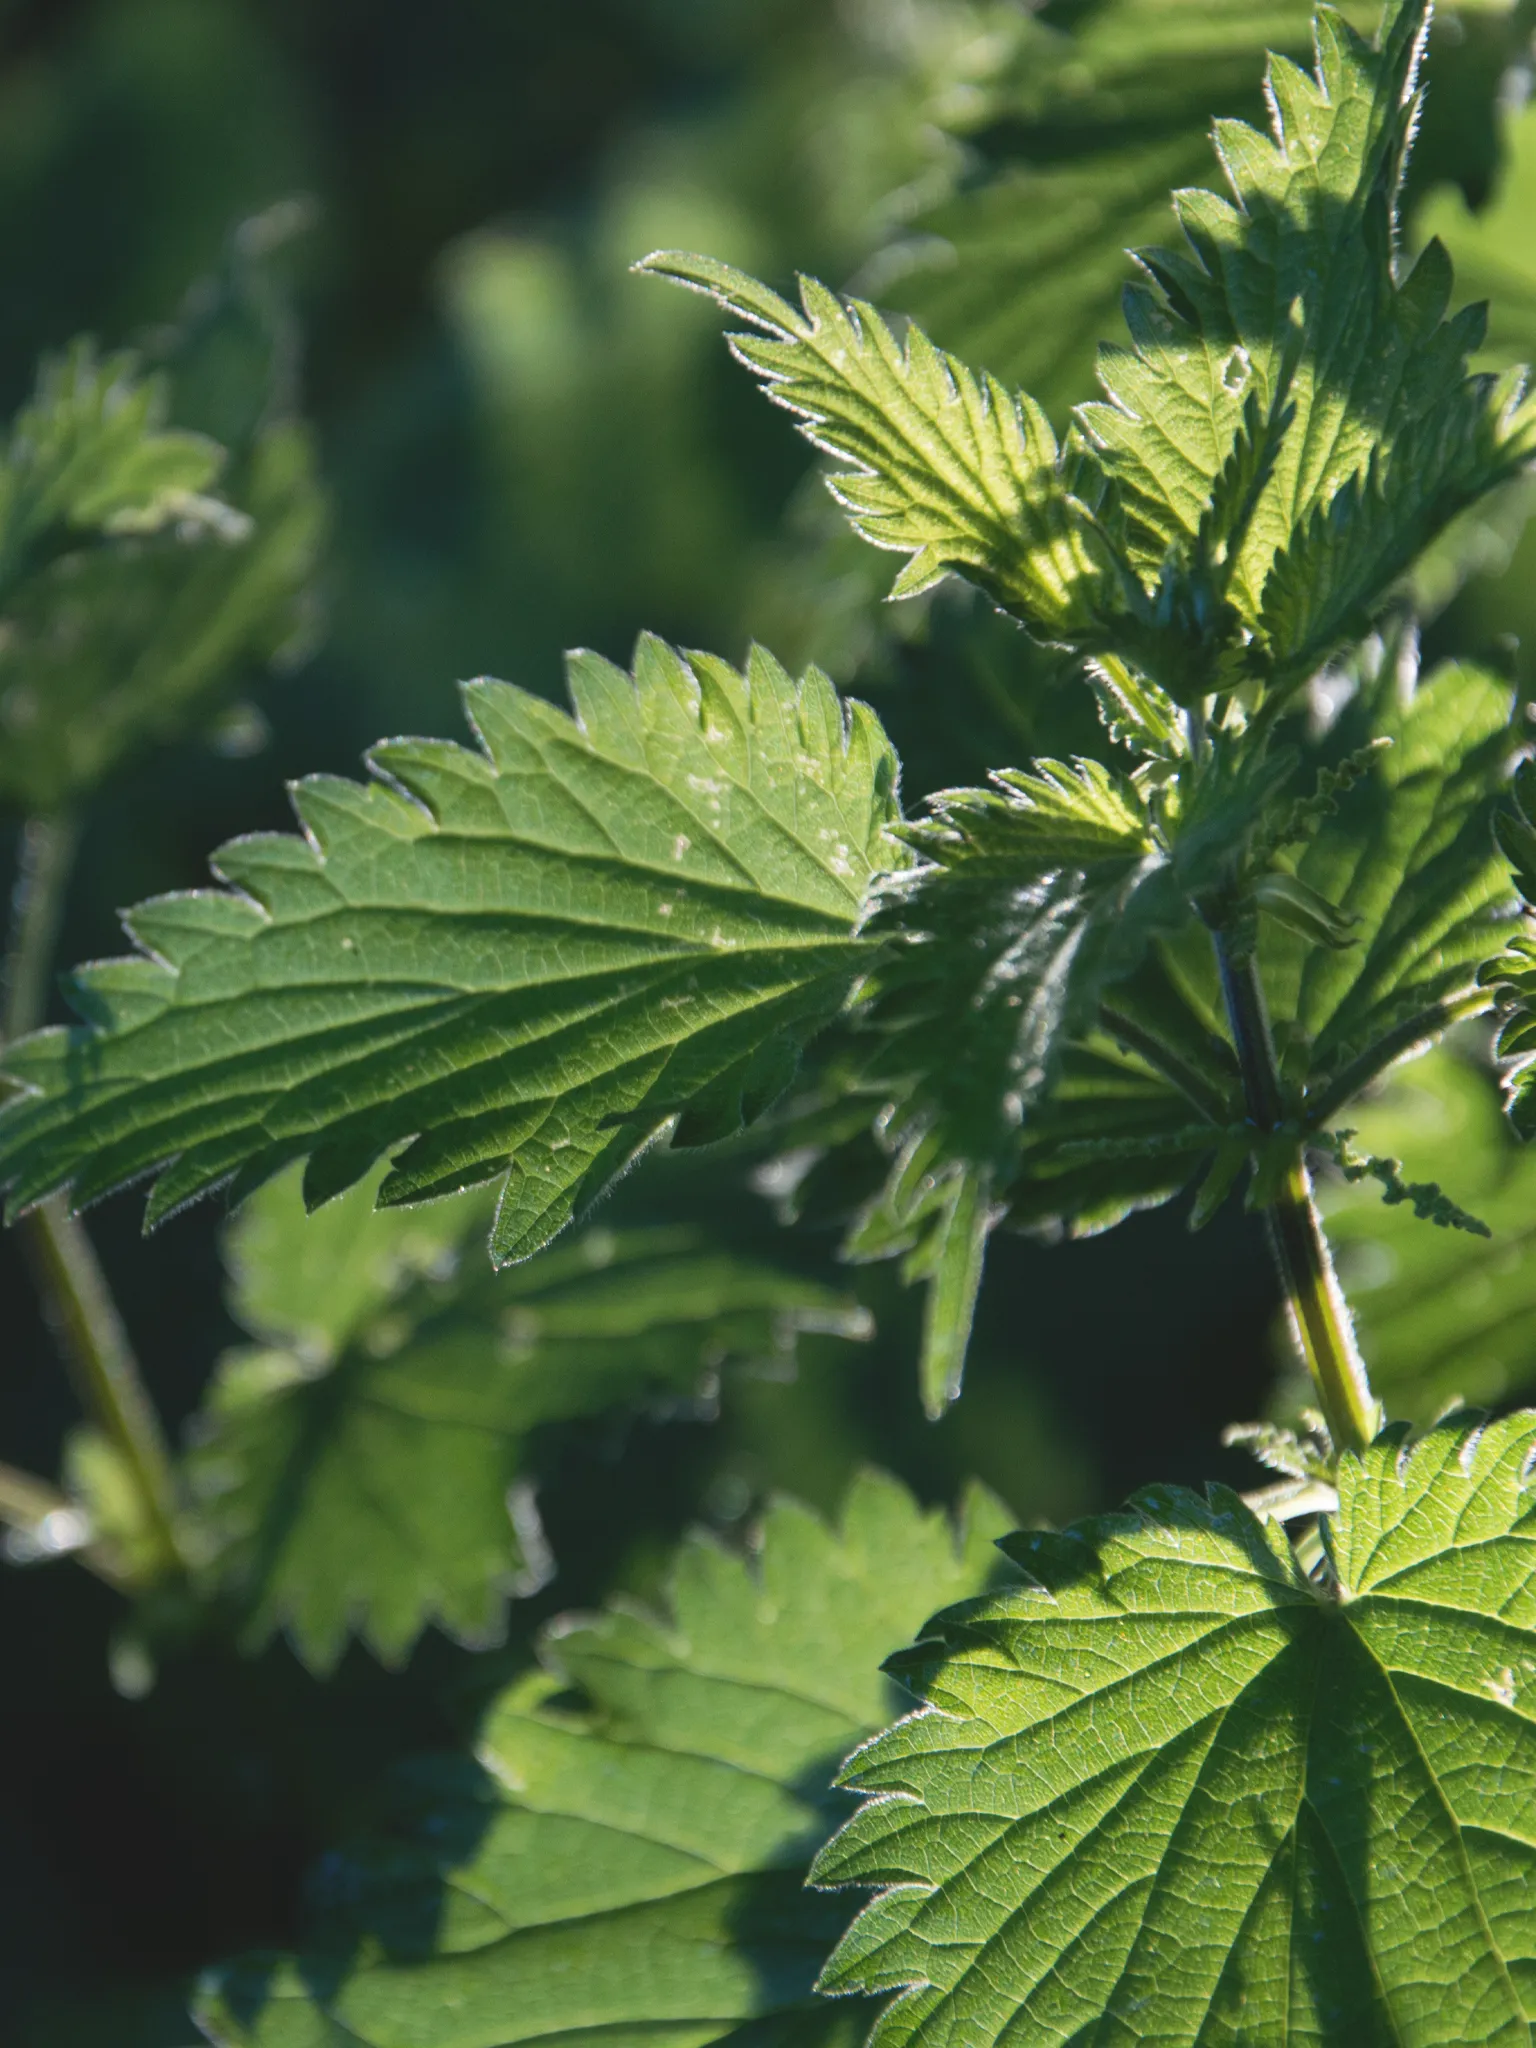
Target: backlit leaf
[1174, 1792]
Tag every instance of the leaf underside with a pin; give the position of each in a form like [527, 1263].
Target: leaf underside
[1172, 1794]
[632, 1870]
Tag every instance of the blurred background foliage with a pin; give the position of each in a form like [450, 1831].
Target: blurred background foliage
[380, 253]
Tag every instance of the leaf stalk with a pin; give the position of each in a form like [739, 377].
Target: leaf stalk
[1314, 1299]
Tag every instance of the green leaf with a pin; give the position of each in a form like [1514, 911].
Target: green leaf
[1292, 424]
[1399, 862]
[309, 1281]
[127, 642]
[528, 957]
[90, 455]
[1513, 976]
[1174, 1792]
[1032, 899]
[371, 1476]
[1408, 857]
[949, 468]
[1090, 119]
[630, 1868]
[1441, 1316]
[1286, 296]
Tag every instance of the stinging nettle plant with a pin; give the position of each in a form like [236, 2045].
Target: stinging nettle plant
[1204, 1771]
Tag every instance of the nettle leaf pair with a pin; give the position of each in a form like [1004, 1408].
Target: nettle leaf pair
[1189, 1782]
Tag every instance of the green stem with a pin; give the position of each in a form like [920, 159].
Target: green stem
[45, 858]
[1319, 1313]
[77, 1301]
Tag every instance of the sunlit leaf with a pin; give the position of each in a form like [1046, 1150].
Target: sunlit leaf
[527, 957]
[949, 468]
[1174, 1792]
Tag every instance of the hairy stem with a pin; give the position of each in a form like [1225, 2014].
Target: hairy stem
[1318, 1311]
[77, 1301]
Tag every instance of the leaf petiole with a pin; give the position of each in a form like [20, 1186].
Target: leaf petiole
[1314, 1299]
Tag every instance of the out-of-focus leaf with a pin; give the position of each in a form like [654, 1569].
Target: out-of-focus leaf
[1494, 249]
[369, 1476]
[1174, 1792]
[308, 1281]
[107, 648]
[630, 1866]
[1442, 1315]
[91, 455]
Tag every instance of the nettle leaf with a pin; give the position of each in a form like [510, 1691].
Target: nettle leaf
[1284, 305]
[1290, 426]
[1092, 119]
[949, 467]
[370, 1476]
[631, 1864]
[1172, 1791]
[91, 455]
[113, 645]
[1403, 865]
[1409, 856]
[1442, 1315]
[1030, 901]
[1513, 975]
[308, 1281]
[527, 958]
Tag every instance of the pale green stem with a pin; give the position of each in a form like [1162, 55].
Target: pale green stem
[77, 1300]
[1319, 1313]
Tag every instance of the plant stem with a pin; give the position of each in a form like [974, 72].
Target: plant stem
[88, 1331]
[45, 858]
[77, 1301]
[1319, 1313]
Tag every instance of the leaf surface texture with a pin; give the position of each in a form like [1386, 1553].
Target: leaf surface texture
[527, 957]
[1168, 1793]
